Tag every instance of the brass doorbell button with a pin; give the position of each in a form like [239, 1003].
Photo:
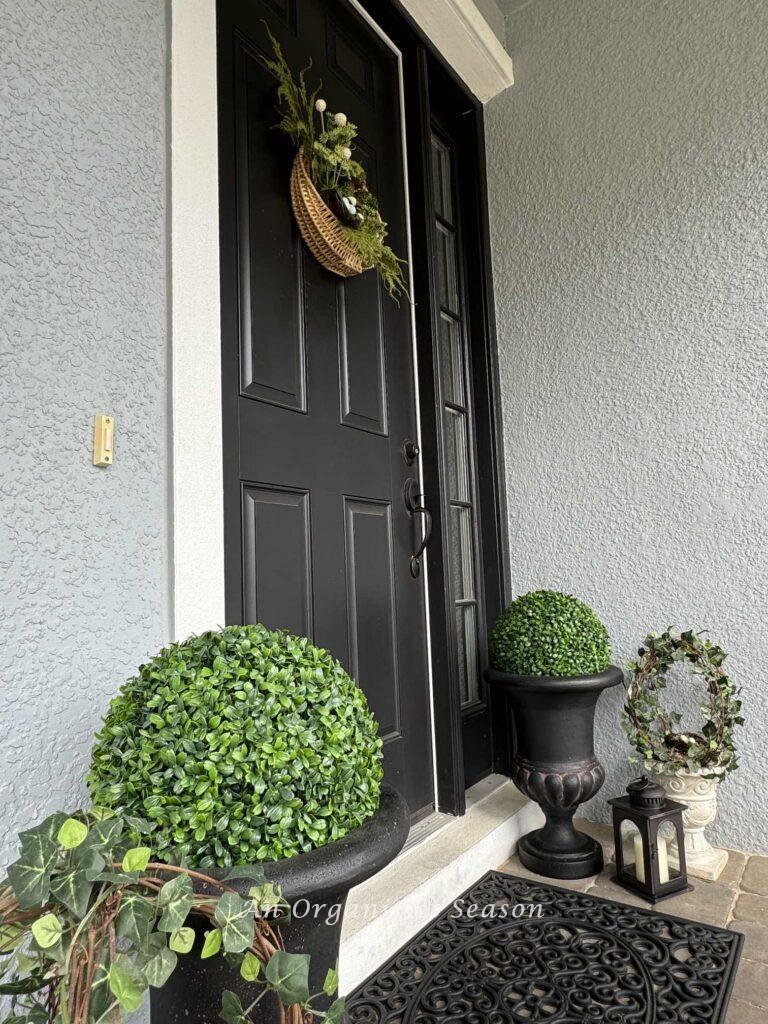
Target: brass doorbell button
[103, 440]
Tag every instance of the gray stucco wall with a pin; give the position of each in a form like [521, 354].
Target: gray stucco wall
[84, 553]
[629, 213]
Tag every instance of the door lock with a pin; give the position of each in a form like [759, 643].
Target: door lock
[411, 452]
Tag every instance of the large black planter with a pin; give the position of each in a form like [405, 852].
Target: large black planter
[316, 885]
[555, 764]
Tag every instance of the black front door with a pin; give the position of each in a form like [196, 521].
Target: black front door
[318, 382]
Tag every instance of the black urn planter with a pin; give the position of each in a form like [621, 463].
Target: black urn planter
[554, 764]
[316, 886]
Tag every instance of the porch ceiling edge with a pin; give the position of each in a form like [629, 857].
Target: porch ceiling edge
[467, 42]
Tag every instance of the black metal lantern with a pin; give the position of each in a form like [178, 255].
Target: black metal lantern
[649, 840]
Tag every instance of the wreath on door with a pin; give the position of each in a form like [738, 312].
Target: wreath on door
[337, 214]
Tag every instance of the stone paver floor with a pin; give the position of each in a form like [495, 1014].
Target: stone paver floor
[737, 900]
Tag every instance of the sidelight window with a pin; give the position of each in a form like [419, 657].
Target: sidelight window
[459, 460]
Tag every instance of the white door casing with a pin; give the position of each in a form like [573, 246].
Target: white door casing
[198, 494]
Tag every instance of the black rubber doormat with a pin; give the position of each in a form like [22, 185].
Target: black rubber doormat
[515, 951]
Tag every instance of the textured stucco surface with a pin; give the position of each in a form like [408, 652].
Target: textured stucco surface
[629, 213]
[83, 551]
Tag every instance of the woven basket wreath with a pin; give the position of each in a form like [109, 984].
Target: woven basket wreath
[337, 213]
[319, 226]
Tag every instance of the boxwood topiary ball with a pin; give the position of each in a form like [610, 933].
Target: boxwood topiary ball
[545, 633]
[239, 746]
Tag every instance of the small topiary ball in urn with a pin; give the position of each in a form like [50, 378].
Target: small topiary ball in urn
[551, 656]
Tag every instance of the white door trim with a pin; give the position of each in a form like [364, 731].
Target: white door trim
[198, 491]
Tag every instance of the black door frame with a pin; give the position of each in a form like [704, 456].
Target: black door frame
[419, 61]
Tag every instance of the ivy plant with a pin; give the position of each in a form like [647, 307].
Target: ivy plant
[654, 731]
[239, 746]
[546, 633]
[89, 921]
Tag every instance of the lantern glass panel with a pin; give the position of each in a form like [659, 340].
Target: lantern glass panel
[632, 846]
[669, 864]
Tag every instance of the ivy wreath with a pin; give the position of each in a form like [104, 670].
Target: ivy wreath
[652, 730]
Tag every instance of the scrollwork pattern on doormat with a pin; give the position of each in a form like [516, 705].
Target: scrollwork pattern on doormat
[583, 959]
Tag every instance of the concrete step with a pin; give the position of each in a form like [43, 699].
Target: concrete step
[384, 912]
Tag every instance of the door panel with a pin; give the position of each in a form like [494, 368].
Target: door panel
[318, 385]
[371, 603]
[361, 355]
[277, 570]
[272, 340]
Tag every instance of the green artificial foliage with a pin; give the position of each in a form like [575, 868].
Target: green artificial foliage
[655, 732]
[239, 746]
[328, 140]
[89, 922]
[546, 633]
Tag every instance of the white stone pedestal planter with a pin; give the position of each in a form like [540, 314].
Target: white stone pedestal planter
[700, 795]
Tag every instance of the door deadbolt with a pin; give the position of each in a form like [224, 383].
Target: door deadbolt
[411, 452]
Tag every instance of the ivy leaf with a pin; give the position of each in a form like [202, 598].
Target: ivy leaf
[73, 885]
[99, 814]
[114, 878]
[30, 876]
[72, 833]
[60, 951]
[266, 897]
[335, 1012]
[136, 859]
[232, 1009]
[250, 968]
[331, 983]
[47, 931]
[182, 940]
[140, 826]
[103, 834]
[160, 967]
[126, 984]
[48, 829]
[288, 974]
[176, 898]
[212, 944]
[253, 872]
[135, 920]
[10, 937]
[234, 916]
[24, 986]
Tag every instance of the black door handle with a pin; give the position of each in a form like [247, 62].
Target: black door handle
[412, 503]
[416, 556]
